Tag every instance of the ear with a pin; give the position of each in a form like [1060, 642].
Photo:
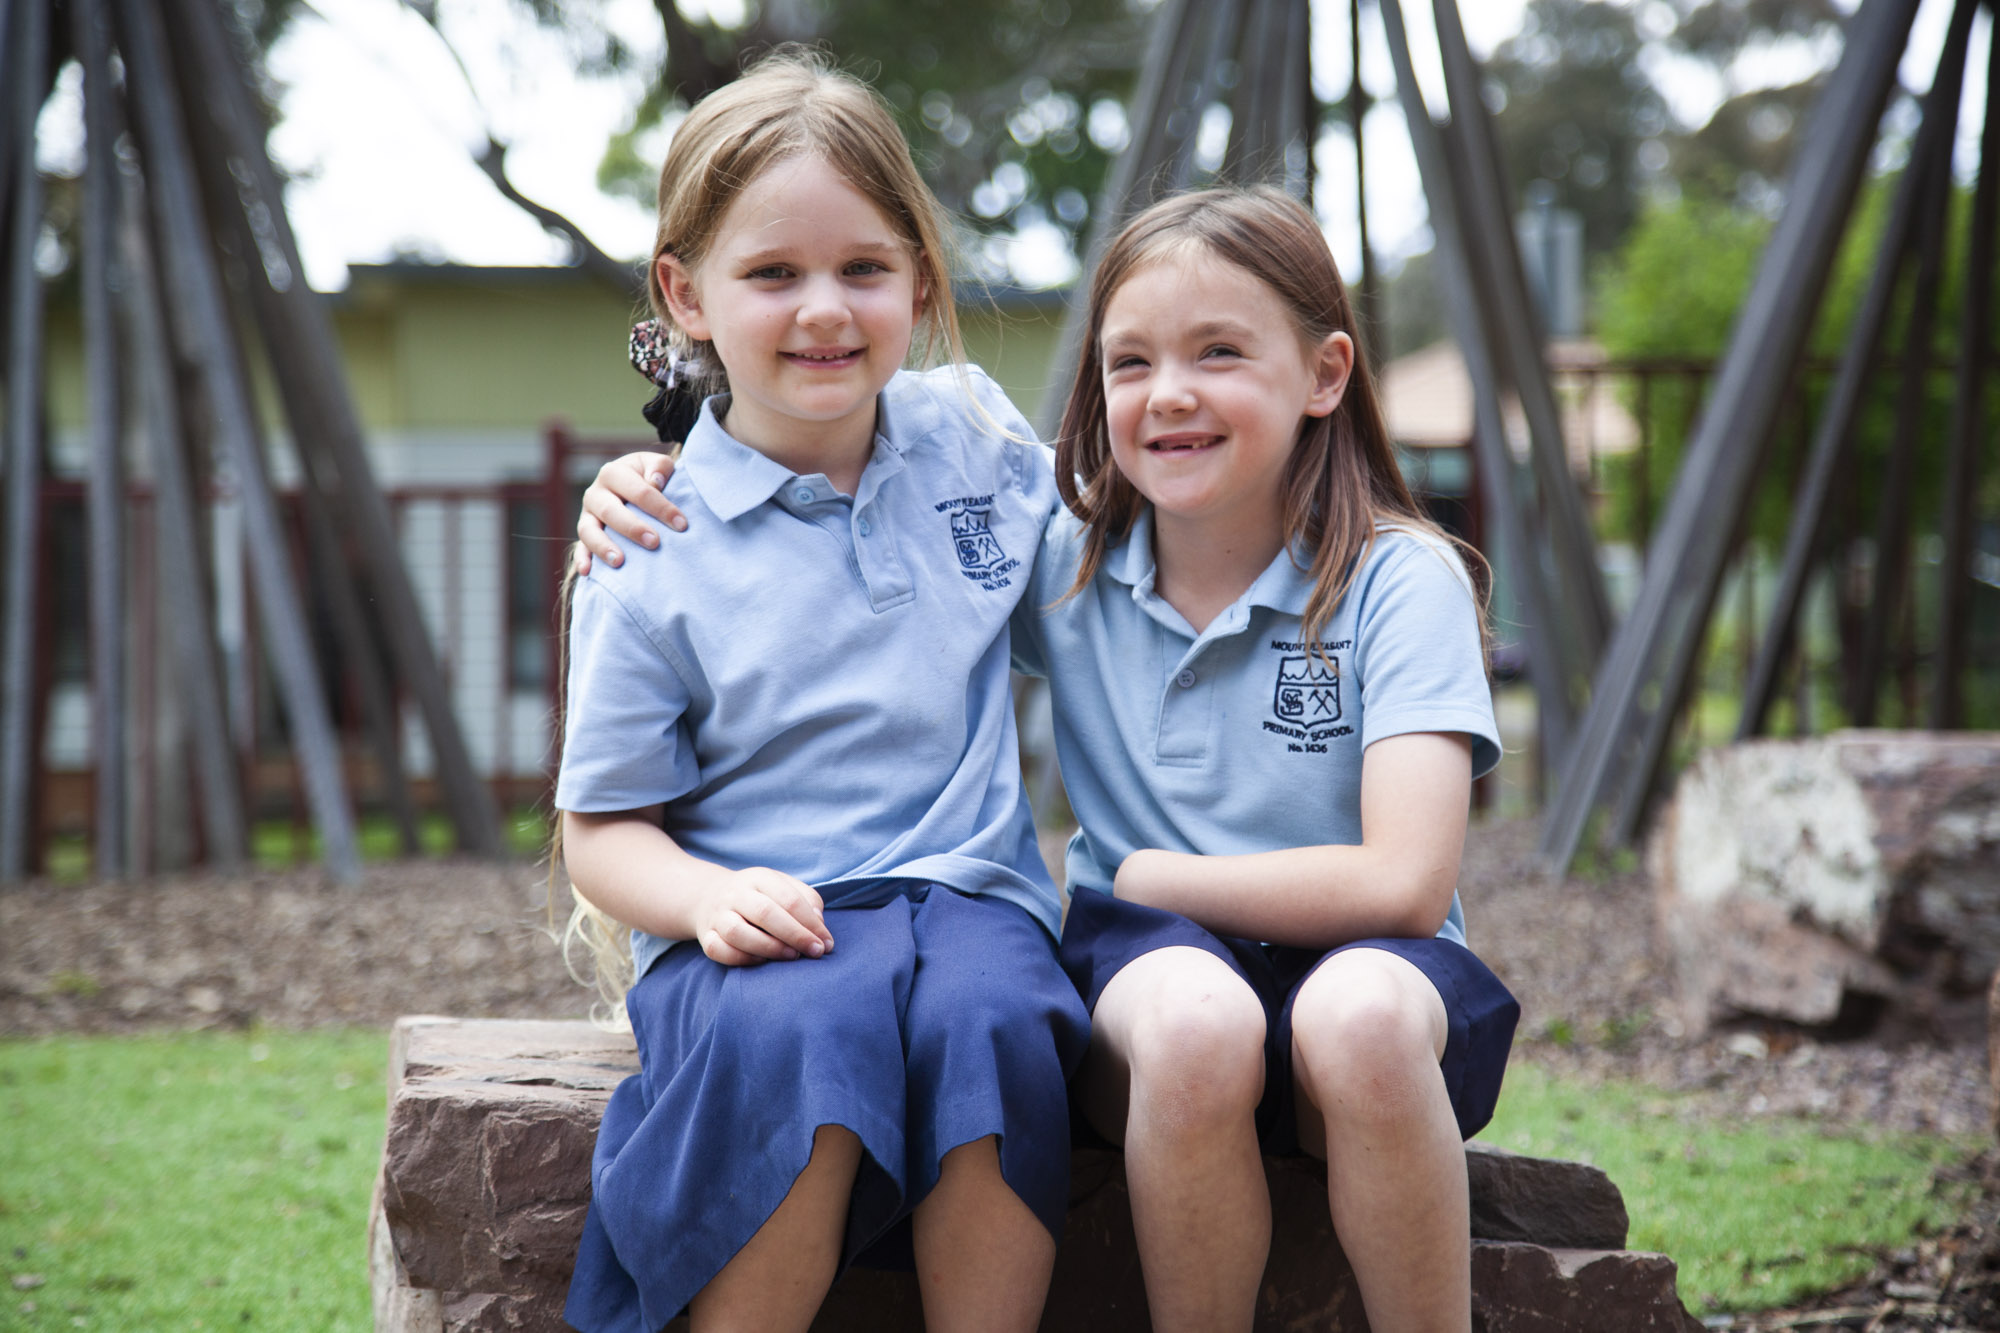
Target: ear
[1332, 363]
[922, 288]
[683, 297]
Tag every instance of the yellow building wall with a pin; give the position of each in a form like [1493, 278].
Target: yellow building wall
[467, 349]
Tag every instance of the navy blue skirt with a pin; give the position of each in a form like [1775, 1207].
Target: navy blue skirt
[938, 1019]
[1102, 934]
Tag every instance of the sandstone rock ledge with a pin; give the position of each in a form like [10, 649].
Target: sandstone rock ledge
[485, 1177]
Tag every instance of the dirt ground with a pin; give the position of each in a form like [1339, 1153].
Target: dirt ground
[289, 949]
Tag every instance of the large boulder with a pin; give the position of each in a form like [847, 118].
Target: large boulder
[1832, 878]
[486, 1175]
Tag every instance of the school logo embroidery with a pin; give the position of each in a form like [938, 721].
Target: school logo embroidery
[1306, 699]
[972, 533]
[981, 558]
[1308, 692]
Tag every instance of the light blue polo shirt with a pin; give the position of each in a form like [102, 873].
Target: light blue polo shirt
[1238, 739]
[816, 683]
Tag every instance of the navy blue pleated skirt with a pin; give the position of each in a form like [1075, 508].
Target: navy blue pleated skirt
[938, 1019]
[1102, 934]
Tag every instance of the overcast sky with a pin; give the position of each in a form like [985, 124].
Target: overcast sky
[378, 121]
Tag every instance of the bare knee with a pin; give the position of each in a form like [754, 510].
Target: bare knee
[1366, 1037]
[1198, 1053]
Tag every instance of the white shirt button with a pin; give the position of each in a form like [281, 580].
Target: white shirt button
[1186, 679]
[865, 529]
[803, 495]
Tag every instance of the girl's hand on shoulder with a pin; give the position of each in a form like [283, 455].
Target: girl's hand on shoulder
[631, 479]
[762, 915]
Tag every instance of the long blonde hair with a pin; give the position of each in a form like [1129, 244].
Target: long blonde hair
[1342, 479]
[791, 103]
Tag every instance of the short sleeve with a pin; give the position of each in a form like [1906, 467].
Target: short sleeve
[1417, 648]
[625, 736]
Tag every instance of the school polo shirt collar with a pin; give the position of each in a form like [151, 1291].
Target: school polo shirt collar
[733, 479]
[1282, 587]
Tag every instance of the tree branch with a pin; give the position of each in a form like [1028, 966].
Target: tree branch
[493, 161]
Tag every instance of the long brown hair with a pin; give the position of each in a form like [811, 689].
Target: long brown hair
[1342, 479]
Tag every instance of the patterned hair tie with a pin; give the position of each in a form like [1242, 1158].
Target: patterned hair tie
[653, 354]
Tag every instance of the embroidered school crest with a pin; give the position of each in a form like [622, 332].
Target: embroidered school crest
[1308, 692]
[972, 534]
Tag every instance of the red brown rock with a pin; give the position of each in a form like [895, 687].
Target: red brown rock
[486, 1174]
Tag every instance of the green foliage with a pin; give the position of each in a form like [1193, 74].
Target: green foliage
[996, 96]
[189, 1181]
[1671, 295]
[1575, 109]
[1756, 1214]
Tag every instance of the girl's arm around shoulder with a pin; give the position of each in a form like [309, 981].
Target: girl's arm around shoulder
[624, 864]
[1397, 881]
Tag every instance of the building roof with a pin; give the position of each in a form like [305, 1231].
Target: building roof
[1427, 397]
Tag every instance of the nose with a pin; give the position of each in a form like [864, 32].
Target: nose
[1172, 391]
[823, 304]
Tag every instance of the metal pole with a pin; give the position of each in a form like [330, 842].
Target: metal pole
[19, 736]
[1720, 463]
[1154, 141]
[198, 287]
[1495, 463]
[1892, 519]
[1968, 420]
[1833, 440]
[105, 486]
[329, 434]
[196, 703]
[1374, 319]
[1487, 229]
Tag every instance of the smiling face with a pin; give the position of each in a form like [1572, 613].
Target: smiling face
[810, 296]
[1206, 380]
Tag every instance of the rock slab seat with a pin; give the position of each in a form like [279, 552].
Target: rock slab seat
[486, 1175]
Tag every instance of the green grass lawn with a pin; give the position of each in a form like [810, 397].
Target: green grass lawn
[208, 1181]
[189, 1181]
[1756, 1213]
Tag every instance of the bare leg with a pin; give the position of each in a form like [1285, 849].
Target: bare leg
[1368, 1029]
[983, 1257]
[1174, 1072]
[777, 1281]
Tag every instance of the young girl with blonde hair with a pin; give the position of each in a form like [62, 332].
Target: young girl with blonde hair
[1270, 703]
[790, 764]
